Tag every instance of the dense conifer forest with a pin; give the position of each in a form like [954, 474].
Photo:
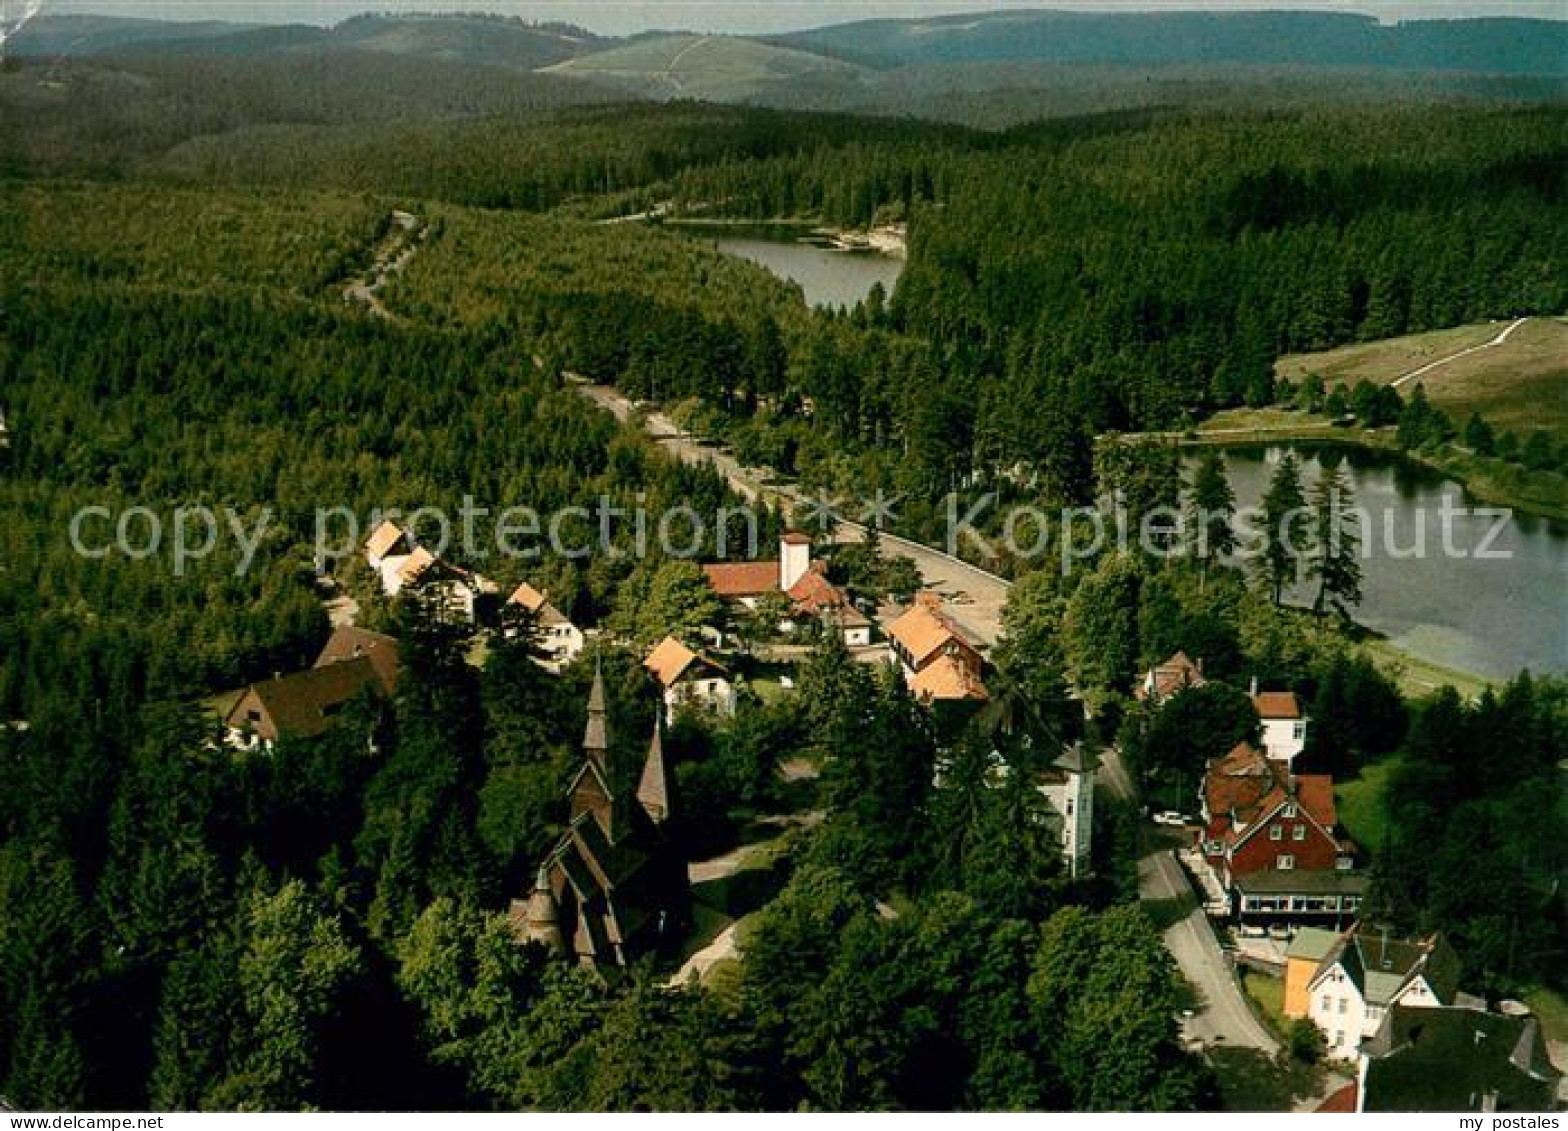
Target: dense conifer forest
[184, 926]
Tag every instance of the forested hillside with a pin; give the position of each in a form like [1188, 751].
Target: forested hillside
[184, 924]
[1324, 39]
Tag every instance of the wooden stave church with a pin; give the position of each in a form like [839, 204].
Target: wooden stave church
[615, 887]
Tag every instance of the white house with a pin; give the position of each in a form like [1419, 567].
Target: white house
[1068, 787]
[1367, 972]
[689, 678]
[1284, 723]
[400, 562]
[560, 639]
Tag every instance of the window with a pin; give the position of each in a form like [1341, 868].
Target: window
[1327, 1003]
[1285, 863]
[1276, 833]
[1344, 1005]
[1290, 809]
[1298, 731]
[1339, 1037]
[1299, 833]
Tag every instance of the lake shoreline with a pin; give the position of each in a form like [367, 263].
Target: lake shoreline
[889, 240]
[1381, 442]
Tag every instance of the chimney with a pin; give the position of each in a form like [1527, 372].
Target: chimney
[794, 559]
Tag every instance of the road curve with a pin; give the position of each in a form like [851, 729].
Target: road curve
[1222, 1015]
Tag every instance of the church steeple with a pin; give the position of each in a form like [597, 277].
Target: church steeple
[596, 736]
[653, 792]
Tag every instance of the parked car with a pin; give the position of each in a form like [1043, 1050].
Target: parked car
[1250, 931]
[1279, 934]
[1170, 817]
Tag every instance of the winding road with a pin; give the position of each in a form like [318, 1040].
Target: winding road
[393, 255]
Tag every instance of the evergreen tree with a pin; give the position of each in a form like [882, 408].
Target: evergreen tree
[1211, 509]
[1335, 563]
[1284, 511]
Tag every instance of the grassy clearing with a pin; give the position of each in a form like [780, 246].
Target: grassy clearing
[1268, 994]
[1387, 359]
[1417, 677]
[1520, 385]
[1360, 803]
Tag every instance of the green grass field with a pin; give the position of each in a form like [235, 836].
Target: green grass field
[1417, 677]
[1551, 1009]
[1520, 385]
[711, 67]
[1268, 994]
[1360, 803]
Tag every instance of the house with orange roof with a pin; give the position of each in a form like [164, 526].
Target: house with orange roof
[690, 678]
[559, 639]
[939, 661]
[402, 563]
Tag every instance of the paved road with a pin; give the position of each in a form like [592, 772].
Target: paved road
[1222, 1015]
[975, 598]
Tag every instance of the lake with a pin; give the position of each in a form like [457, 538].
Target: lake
[1491, 617]
[826, 275]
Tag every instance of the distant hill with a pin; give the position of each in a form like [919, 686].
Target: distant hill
[1310, 39]
[52, 35]
[716, 68]
[493, 41]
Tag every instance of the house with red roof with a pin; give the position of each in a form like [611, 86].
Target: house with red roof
[1271, 839]
[803, 581]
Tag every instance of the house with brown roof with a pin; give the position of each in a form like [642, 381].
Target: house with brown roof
[939, 661]
[302, 705]
[1284, 723]
[350, 643]
[614, 888]
[803, 581]
[1271, 839]
[690, 678]
[1164, 680]
[559, 639]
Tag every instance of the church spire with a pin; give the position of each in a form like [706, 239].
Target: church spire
[653, 792]
[596, 736]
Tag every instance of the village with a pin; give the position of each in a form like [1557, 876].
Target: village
[1275, 881]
